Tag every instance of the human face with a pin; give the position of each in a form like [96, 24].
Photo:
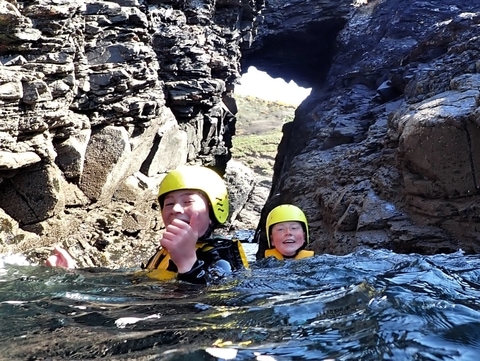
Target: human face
[287, 237]
[182, 204]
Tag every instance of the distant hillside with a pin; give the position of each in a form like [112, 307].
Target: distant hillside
[259, 131]
[257, 116]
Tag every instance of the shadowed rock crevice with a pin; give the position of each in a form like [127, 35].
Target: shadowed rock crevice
[473, 138]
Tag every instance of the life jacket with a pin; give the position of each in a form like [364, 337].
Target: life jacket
[161, 267]
[272, 252]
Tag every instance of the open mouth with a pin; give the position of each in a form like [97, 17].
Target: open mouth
[187, 221]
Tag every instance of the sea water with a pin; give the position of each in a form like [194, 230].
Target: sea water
[369, 305]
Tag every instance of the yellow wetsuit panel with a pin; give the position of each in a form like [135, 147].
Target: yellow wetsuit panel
[158, 265]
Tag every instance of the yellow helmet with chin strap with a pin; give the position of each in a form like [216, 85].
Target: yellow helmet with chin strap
[286, 213]
[202, 179]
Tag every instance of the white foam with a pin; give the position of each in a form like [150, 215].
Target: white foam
[124, 321]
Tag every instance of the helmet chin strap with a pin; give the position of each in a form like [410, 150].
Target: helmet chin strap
[208, 232]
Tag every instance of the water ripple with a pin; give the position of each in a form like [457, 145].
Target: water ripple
[369, 305]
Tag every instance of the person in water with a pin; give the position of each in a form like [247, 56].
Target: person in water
[193, 202]
[287, 233]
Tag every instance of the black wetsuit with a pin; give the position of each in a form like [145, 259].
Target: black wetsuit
[216, 258]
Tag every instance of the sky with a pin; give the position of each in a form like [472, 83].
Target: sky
[259, 84]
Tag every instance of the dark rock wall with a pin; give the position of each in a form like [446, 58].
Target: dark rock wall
[384, 153]
[296, 39]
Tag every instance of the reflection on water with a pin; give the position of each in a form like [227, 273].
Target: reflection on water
[371, 305]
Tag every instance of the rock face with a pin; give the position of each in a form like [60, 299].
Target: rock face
[98, 99]
[385, 153]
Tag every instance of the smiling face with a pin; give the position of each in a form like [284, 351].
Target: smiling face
[182, 203]
[287, 237]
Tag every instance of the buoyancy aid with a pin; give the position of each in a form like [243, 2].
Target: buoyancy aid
[209, 253]
[272, 252]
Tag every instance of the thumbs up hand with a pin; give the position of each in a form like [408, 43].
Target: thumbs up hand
[180, 239]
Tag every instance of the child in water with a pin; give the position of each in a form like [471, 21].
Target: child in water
[287, 233]
[193, 202]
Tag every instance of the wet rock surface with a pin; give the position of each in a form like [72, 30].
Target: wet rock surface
[384, 155]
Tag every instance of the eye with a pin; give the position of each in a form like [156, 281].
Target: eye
[188, 201]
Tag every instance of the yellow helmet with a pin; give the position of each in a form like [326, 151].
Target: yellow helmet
[202, 179]
[286, 213]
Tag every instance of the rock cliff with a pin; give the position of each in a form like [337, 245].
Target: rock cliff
[385, 152]
[98, 99]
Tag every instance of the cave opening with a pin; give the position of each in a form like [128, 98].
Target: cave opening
[259, 84]
[303, 56]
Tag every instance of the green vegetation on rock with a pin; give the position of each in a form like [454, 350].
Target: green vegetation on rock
[259, 131]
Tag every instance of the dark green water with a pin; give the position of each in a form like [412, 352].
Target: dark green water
[371, 305]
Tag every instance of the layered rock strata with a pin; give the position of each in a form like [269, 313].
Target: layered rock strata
[98, 99]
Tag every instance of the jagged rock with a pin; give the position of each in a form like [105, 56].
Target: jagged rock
[169, 151]
[10, 160]
[412, 150]
[33, 195]
[14, 238]
[95, 97]
[92, 94]
[241, 181]
[437, 145]
[71, 153]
